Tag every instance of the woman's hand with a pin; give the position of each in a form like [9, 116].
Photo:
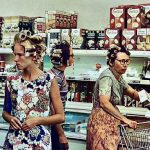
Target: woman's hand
[63, 140]
[130, 123]
[29, 123]
[15, 123]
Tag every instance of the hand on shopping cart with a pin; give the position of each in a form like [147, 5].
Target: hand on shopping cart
[130, 123]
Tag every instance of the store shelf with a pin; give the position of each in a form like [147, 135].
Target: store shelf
[78, 107]
[4, 74]
[5, 51]
[84, 52]
[73, 135]
[81, 107]
[92, 78]
[90, 52]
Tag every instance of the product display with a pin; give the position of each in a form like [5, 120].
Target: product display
[128, 26]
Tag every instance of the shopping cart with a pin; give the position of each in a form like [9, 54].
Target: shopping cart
[135, 139]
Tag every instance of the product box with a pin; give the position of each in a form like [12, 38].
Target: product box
[39, 25]
[146, 20]
[53, 20]
[141, 38]
[112, 37]
[78, 38]
[117, 18]
[129, 39]
[90, 39]
[100, 39]
[66, 35]
[73, 20]
[135, 15]
[147, 45]
[53, 37]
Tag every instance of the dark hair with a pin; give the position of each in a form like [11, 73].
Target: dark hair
[60, 53]
[112, 54]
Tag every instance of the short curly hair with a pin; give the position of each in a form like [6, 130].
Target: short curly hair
[60, 53]
[112, 54]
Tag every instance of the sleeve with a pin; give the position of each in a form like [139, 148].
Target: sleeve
[7, 102]
[124, 84]
[105, 85]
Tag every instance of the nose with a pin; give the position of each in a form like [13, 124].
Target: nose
[125, 64]
[16, 57]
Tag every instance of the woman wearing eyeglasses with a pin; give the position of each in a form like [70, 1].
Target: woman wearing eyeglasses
[110, 88]
[61, 57]
[28, 97]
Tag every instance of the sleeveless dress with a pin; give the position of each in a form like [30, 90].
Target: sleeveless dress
[28, 99]
[102, 127]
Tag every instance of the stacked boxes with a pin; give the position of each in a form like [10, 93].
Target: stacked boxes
[141, 38]
[117, 18]
[134, 24]
[100, 39]
[90, 39]
[146, 17]
[11, 26]
[39, 25]
[147, 45]
[78, 38]
[53, 37]
[135, 15]
[129, 38]
[112, 37]
[60, 20]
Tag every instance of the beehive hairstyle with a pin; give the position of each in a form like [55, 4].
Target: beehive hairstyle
[33, 45]
[59, 54]
[112, 54]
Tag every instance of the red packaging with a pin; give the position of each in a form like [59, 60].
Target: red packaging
[146, 19]
[112, 37]
[135, 17]
[117, 18]
[129, 39]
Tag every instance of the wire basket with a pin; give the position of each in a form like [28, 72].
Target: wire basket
[135, 139]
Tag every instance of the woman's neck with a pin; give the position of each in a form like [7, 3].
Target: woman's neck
[31, 73]
[115, 73]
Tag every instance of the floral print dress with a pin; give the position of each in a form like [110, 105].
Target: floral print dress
[102, 128]
[28, 99]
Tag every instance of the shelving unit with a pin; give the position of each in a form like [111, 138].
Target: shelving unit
[134, 53]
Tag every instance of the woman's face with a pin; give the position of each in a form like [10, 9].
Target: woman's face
[121, 63]
[71, 57]
[22, 62]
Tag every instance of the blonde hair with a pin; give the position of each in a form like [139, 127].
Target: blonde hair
[33, 45]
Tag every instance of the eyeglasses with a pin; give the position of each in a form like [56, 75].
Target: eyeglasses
[123, 61]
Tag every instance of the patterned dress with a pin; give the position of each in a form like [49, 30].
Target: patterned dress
[28, 99]
[102, 128]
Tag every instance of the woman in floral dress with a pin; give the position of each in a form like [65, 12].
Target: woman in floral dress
[29, 95]
[110, 87]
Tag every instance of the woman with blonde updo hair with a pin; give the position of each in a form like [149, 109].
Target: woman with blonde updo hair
[28, 96]
[109, 90]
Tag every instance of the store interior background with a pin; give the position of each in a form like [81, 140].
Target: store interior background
[93, 14]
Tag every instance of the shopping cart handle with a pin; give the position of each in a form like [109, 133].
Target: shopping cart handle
[139, 123]
[144, 122]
